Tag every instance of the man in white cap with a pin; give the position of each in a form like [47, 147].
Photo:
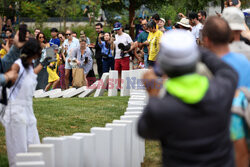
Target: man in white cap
[161, 25]
[236, 21]
[190, 123]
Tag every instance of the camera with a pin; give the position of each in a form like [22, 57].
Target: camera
[102, 38]
[123, 48]
[22, 32]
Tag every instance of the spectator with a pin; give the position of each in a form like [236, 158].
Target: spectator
[8, 25]
[70, 44]
[8, 60]
[19, 119]
[98, 49]
[53, 79]
[83, 35]
[180, 121]
[216, 37]
[153, 42]
[169, 25]
[42, 77]
[156, 19]
[141, 41]
[202, 15]
[37, 30]
[84, 57]
[54, 40]
[121, 57]
[184, 24]
[8, 33]
[74, 34]
[11, 14]
[236, 21]
[161, 25]
[61, 68]
[196, 25]
[107, 47]
[138, 26]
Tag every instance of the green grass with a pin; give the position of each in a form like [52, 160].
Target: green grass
[59, 117]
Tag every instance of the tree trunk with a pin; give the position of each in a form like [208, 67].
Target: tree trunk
[131, 16]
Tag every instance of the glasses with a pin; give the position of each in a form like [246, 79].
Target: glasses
[68, 34]
[144, 24]
[41, 37]
[61, 37]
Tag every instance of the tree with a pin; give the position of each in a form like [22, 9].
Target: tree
[131, 6]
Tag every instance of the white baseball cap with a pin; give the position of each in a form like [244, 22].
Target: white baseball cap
[235, 18]
[184, 22]
[163, 20]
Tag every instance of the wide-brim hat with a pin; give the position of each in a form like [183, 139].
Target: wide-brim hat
[184, 22]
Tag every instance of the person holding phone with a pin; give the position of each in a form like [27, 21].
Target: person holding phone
[107, 46]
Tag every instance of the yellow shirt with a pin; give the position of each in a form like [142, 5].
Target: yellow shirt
[154, 44]
[52, 72]
[3, 53]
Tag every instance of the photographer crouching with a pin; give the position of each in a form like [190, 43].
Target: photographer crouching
[192, 119]
[106, 43]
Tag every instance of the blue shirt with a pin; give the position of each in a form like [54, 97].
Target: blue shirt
[105, 50]
[241, 65]
[55, 41]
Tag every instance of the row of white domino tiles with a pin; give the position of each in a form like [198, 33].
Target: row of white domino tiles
[131, 80]
[115, 145]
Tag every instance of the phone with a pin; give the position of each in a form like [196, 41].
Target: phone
[235, 2]
[22, 32]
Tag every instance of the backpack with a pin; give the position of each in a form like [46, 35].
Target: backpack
[243, 111]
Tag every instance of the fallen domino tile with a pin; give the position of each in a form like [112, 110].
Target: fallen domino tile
[113, 84]
[101, 87]
[89, 152]
[118, 144]
[73, 144]
[27, 157]
[48, 93]
[38, 92]
[89, 90]
[75, 92]
[47, 150]
[103, 142]
[60, 94]
[61, 150]
[136, 104]
[125, 76]
[128, 140]
[31, 164]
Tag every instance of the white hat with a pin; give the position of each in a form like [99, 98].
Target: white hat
[178, 49]
[163, 20]
[235, 18]
[184, 22]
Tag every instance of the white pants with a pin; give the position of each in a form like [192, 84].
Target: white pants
[20, 129]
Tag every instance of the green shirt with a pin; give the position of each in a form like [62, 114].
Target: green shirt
[143, 36]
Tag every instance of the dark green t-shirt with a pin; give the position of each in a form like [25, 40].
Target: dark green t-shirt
[143, 36]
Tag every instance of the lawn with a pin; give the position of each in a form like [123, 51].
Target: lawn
[59, 117]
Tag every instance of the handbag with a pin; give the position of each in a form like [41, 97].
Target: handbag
[78, 77]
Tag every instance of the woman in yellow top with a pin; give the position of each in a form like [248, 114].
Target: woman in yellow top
[53, 79]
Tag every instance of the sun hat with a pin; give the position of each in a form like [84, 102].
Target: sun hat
[184, 22]
[235, 18]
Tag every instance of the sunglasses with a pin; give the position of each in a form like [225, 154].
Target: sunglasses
[41, 37]
[68, 34]
[60, 37]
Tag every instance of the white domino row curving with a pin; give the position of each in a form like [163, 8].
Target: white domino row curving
[115, 145]
[130, 80]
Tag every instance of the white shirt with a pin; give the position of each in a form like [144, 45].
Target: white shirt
[72, 46]
[196, 30]
[125, 39]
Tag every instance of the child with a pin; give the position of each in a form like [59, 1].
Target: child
[54, 79]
